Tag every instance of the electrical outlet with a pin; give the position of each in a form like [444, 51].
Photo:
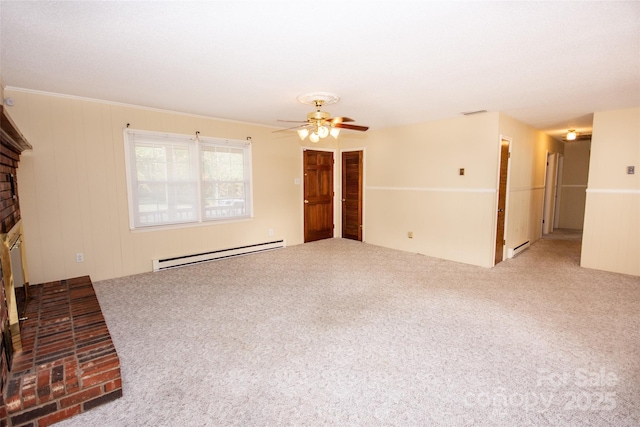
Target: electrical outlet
[79, 257]
[410, 234]
[461, 171]
[631, 170]
[271, 232]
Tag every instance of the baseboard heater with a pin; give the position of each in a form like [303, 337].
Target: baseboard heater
[511, 252]
[181, 261]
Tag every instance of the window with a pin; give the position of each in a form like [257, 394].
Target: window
[178, 179]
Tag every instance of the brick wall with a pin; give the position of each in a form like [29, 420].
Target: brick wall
[9, 216]
[4, 367]
[68, 364]
[9, 206]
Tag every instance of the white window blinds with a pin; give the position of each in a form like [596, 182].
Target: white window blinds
[178, 179]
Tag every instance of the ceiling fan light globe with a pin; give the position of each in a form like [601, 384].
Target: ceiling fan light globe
[303, 133]
[323, 131]
[314, 137]
[571, 135]
[335, 132]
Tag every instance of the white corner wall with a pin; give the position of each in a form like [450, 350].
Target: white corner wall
[412, 184]
[611, 237]
[73, 194]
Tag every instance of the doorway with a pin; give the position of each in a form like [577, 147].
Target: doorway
[550, 192]
[558, 197]
[318, 195]
[502, 199]
[352, 177]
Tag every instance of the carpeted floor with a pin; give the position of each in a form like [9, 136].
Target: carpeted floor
[340, 333]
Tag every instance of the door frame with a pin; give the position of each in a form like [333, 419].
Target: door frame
[364, 186]
[549, 196]
[336, 210]
[559, 173]
[506, 201]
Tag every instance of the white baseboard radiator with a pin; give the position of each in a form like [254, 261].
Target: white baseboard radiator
[181, 261]
[511, 252]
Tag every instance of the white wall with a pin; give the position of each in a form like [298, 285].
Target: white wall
[73, 195]
[412, 183]
[611, 238]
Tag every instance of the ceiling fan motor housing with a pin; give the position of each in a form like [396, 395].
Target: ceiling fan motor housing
[318, 116]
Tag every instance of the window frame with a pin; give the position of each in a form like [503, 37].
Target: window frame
[196, 146]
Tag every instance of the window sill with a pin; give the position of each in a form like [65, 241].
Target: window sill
[189, 225]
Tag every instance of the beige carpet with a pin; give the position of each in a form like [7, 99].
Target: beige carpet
[342, 333]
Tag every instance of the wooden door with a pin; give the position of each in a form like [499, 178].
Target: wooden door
[318, 195]
[352, 195]
[502, 200]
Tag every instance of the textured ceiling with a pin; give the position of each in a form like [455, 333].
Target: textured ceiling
[547, 64]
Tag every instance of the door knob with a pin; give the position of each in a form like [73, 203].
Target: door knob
[306, 201]
[344, 200]
[500, 210]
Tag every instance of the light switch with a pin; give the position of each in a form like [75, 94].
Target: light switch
[461, 171]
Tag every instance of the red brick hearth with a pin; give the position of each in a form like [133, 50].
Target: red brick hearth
[68, 363]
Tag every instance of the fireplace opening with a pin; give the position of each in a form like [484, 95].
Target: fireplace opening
[7, 344]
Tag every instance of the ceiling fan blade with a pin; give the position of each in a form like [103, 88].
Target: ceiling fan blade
[336, 120]
[352, 127]
[295, 127]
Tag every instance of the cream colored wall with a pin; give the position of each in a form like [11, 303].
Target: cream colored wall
[73, 188]
[529, 148]
[611, 237]
[574, 184]
[412, 183]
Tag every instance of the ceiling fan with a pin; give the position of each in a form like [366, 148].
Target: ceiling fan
[320, 124]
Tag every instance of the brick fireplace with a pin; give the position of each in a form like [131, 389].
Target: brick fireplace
[12, 145]
[57, 358]
[68, 364]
